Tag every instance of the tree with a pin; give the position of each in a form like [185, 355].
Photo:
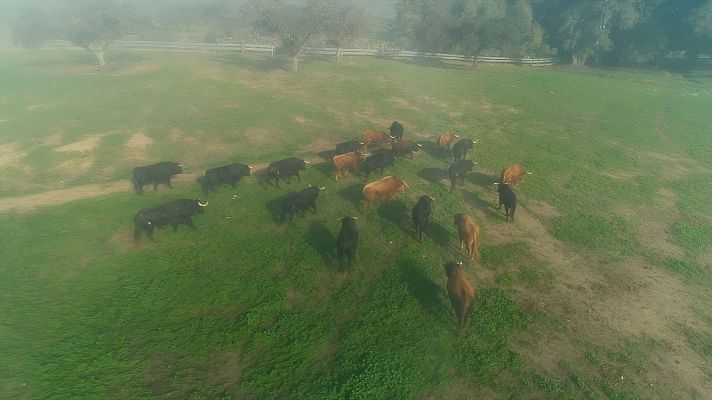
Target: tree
[581, 29]
[293, 26]
[94, 24]
[468, 26]
[33, 28]
[343, 24]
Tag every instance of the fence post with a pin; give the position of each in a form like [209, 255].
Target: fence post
[272, 48]
[243, 47]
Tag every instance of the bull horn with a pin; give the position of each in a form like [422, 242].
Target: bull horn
[307, 162]
[181, 165]
[322, 187]
[496, 183]
[148, 222]
[420, 145]
[354, 217]
[361, 143]
[460, 263]
[393, 137]
[310, 185]
[201, 204]
[529, 173]
[476, 141]
[406, 185]
[251, 166]
[457, 135]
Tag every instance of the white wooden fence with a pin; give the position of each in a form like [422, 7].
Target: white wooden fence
[312, 51]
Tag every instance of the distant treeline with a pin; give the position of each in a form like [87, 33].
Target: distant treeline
[610, 32]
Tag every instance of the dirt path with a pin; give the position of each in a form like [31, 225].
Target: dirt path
[33, 202]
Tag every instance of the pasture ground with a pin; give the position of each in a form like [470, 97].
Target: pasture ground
[601, 289]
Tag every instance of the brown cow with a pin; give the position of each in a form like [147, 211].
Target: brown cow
[460, 291]
[376, 138]
[385, 187]
[446, 139]
[347, 161]
[513, 174]
[469, 234]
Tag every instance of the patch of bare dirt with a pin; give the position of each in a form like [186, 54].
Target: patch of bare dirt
[83, 146]
[10, 155]
[302, 120]
[136, 146]
[137, 68]
[318, 145]
[36, 106]
[625, 301]
[75, 166]
[402, 103]
[260, 136]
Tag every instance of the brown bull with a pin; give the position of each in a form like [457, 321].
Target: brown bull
[469, 234]
[460, 291]
[446, 139]
[348, 161]
[513, 174]
[376, 138]
[385, 187]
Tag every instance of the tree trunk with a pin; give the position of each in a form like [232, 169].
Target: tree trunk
[295, 63]
[475, 61]
[100, 59]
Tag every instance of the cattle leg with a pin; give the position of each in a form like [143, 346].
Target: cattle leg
[155, 186]
[189, 222]
[168, 182]
[175, 226]
[149, 233]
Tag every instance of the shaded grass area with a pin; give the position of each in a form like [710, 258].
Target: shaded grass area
[248, 306]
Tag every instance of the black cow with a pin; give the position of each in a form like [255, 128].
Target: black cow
[421, 214]
[348, 147]
[174, 213]
[230, 174]
[396, 130]
[459, 169]
[405, 147]
[347, 241]
[459, 149]
[301, 201]
[378, 160]
[285, 169]
[156, 173]
[508, 198]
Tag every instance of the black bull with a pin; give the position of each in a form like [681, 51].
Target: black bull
[156, 173]
[285, 169]
[174, 213]
[347, 242]
[228, 174]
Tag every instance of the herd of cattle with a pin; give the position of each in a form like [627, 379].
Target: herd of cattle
[351, 156]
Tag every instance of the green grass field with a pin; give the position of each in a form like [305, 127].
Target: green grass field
[601, 288]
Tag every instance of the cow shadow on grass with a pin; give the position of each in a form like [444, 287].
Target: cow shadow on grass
[428, 294]
[326, 155]
[396, 212]
[434, 150]
[434, 175]
[320, 238]
[324, 168]
[438, 234]
[274, 206]
[352, 194]
[484, 180]
[476, 202]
